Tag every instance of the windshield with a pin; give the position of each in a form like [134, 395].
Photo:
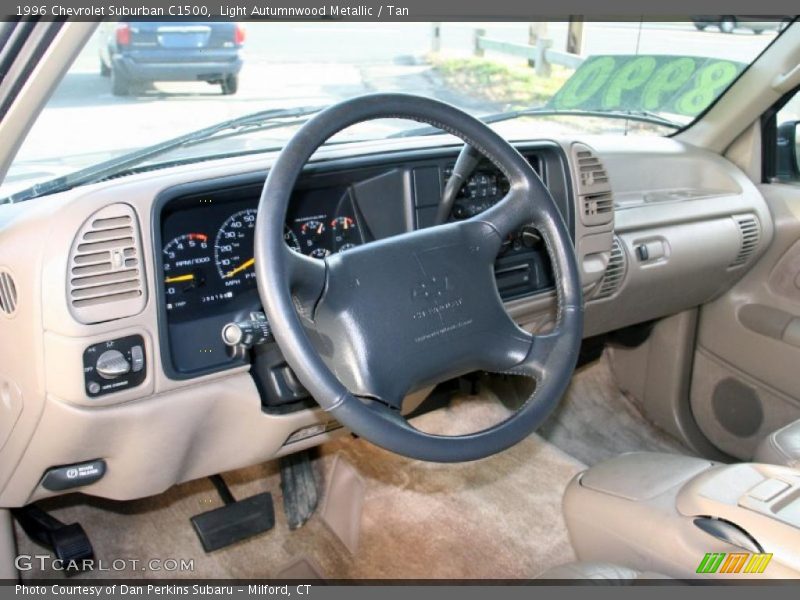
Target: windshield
[140, 84]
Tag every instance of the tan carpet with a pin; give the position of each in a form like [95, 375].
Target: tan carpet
[596, 421]
[496, 518]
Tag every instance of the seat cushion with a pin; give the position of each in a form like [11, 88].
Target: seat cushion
[781, 447]
[599, 571]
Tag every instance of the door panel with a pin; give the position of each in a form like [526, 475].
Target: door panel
[746, 376]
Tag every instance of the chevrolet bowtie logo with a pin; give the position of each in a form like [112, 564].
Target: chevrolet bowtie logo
[432, 288]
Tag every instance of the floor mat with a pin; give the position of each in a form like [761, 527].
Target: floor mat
[496, 518]
[596, 421]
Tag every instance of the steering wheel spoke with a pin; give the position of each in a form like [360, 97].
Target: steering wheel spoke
[513, 211]
[306, 281]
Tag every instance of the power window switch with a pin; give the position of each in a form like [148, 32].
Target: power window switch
[137, 359]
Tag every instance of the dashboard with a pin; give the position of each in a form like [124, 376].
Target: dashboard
[140, 274]
[205, 245]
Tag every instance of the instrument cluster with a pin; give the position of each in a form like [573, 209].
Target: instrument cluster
[208, 244]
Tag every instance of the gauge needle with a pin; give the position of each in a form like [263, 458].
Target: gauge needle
[179, 278]
[241, 267]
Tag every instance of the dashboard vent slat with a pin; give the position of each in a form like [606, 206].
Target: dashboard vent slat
[8, 293]
[105, 280]
[615, 272]
[750, 236]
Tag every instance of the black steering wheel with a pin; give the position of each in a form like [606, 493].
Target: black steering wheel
[363, 328]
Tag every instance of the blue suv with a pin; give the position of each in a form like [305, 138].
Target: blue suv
[143, 52]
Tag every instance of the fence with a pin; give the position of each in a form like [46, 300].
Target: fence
[541, 55]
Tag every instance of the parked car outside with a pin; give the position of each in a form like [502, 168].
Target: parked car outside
[137, 53]
[758, 24]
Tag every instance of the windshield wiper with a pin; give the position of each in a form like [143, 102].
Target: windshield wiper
[631, 115]
[257, 121]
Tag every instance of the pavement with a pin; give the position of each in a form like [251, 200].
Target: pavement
[293, 64]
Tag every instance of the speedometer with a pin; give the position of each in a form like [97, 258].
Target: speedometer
[233, 248]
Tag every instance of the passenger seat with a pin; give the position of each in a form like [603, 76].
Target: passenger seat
[781, 447]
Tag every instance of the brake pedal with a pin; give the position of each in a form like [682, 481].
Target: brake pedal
[300, 488]
[234, 522]
[69, 543]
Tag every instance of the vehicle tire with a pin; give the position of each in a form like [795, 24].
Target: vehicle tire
[105, 70]
[758, 31]
[120, 84]
[727, 24]
[230, 85]
[700, 26]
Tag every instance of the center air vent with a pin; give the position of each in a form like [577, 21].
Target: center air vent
[615, 272]
[106, 279]
[593, 187]
[750, 236]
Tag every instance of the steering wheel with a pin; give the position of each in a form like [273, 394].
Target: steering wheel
[365, 327]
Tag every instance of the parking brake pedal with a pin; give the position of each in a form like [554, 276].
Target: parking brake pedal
[300, 488]
[69, 543]
[234, 522]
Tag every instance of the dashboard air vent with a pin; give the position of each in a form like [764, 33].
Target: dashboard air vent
[590, 169]
[593, 187]
[750, 236]
[615, 272]
[597, 204]
[8, 293]
[106, 277]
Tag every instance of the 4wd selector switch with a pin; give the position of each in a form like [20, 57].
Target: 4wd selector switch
[112, 364]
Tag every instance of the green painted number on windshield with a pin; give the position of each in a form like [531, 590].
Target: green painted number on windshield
[709, 83]
[631, 76]
[585, 83]
[669, 78]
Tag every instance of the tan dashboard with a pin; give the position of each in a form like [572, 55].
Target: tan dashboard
[658, 227]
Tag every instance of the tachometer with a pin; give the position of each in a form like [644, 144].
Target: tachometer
[233, 248]
[186, 259]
